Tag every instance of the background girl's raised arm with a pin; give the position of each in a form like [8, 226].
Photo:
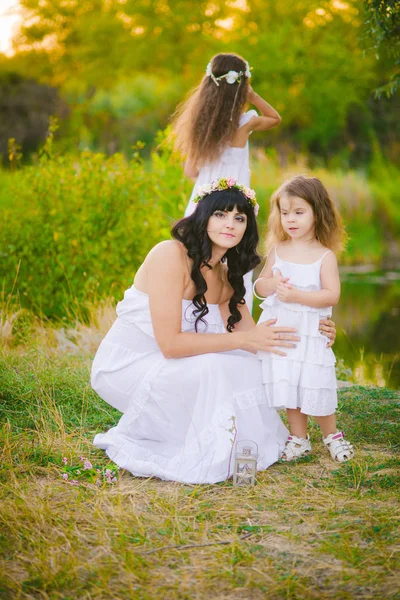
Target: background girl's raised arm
[269, 116]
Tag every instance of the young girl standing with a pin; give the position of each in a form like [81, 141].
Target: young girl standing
[212, 130]
[300, 284]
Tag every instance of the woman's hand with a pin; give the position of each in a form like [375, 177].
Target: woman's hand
[266, 337]
[328, 328]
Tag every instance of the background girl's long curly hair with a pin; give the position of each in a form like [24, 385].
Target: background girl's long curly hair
[202, 125]
[329, 228]
[192, 233]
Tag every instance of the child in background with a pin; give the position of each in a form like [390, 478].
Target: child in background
[300, 284]
[212, 130]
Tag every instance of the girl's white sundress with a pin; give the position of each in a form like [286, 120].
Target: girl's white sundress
[305, 378]
[180, 415]
[233, 162]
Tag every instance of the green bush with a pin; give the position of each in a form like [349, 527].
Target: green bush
[77, 228]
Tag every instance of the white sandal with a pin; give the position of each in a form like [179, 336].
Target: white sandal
[295, 448]
[341, 450]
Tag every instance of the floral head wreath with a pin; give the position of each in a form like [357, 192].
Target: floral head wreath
[226, 184]
[230, 77]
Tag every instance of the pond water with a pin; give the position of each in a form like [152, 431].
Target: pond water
[368, 327]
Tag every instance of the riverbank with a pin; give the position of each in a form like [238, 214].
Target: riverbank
[313, 529]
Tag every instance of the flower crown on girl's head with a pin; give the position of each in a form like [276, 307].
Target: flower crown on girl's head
[230, 77]
[225, 184]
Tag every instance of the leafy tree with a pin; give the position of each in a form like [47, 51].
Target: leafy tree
[383, 30]
[123, 65]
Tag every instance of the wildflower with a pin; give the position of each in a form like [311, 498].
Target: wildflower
[65, 476]
[65, 460]
[87, 464]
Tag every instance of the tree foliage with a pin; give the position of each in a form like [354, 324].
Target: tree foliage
[123, 65]
[383, 29]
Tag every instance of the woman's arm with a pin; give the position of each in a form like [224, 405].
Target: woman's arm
[328, 328]
[166, 269]
[329, 294]
[270, 117]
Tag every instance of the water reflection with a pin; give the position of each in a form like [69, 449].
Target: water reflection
[368, 326]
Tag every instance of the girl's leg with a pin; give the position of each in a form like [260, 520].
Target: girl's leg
[297, 422]
[327, 424]
[341, 450]
[298, 443]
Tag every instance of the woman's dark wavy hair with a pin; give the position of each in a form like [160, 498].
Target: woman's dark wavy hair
[192, 232]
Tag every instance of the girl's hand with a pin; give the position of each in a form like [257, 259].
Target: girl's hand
[266, 337]
[278, 278]
[328, 328]
[285, 292]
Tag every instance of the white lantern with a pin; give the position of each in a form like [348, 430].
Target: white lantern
[245, 470]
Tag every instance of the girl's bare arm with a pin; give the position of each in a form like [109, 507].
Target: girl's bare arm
[269, 116]
[267, 282]
[329, 294]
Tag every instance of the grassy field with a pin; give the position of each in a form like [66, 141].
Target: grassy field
[308, 530]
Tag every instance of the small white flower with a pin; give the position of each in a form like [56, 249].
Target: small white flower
[247, 71]
[205, 189]
[231, 76]
[209, 69]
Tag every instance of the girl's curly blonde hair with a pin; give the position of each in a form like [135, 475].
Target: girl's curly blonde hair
[329, 228]
[204, 124]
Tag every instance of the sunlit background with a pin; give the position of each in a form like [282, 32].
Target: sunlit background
[9, 21]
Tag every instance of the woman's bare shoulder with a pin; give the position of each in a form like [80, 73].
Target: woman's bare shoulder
[167, 250]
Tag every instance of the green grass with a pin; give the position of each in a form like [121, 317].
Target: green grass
[312, 529]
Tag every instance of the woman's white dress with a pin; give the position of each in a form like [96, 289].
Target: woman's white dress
[305, 378]
[233, 162]
[180, 415]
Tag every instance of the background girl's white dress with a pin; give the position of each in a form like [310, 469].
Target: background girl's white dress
[306, 377]
[178, 412]
[233, 162]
